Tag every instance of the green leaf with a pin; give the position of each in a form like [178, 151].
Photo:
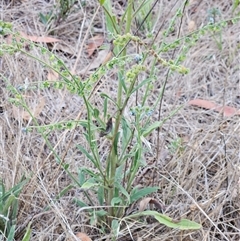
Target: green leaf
[11, 233]
[100, 195]
[235, 4]
[96, 113]
[14, 190]
[108, 97]
[152, 127]
[183, 224]
[123, 191]
[101, 213]
[27, 235]
[157, 124]
[146, 81]
[81, 176]
[115, 143]
[66, 166]
[80, 203]
[126, 131]
[8, 203]
[118, 183]
[14, 211]
[137, 157]
[115, 227]
[101, 2]
[2, 189]
[43, 18]
[89, 172]
[84, 151]
[122, 82]
[116, 200]
[137, 194]
[64, 191]
[111, 20]
[10, 200]
[88, 184]
[105, 107]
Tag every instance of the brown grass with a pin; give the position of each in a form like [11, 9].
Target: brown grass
[199, 181]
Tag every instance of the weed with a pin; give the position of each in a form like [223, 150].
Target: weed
[176, 146]
[108, 186]
[9, 204]
[64, 9]
[55, 17]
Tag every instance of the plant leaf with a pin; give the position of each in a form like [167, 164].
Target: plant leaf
[111, 20]
[115, 227]
[137, 194]
[88, 184]
[11, 233]
[64, 191]
[105, 107]
[157, 124]
[115, 143]
[27, 235]
[95, 113]
[116, 200]
[183, 224]
[100, 195]
[235, 4]
[108, 97]
[141, 84]
[122, 190]
[101, 2]
[152, 127]
[84, 151]
[80, 203]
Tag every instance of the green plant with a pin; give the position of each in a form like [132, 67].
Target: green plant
[111, 181]
[46, 18]
[213, 15]
[64, 9]
[54, 17]
[9, 204]
[235, 5]
[144, 10]
[176, 145]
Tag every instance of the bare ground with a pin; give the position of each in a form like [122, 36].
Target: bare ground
[199, 180]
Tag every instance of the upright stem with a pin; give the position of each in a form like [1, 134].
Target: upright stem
[113, 155]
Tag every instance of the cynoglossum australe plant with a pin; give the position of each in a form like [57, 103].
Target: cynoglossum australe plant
[9, 203]
[57, 15]
[112, 180]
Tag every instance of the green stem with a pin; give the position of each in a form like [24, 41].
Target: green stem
[113, 156]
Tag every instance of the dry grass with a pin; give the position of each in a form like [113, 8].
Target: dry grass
[199, 181]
